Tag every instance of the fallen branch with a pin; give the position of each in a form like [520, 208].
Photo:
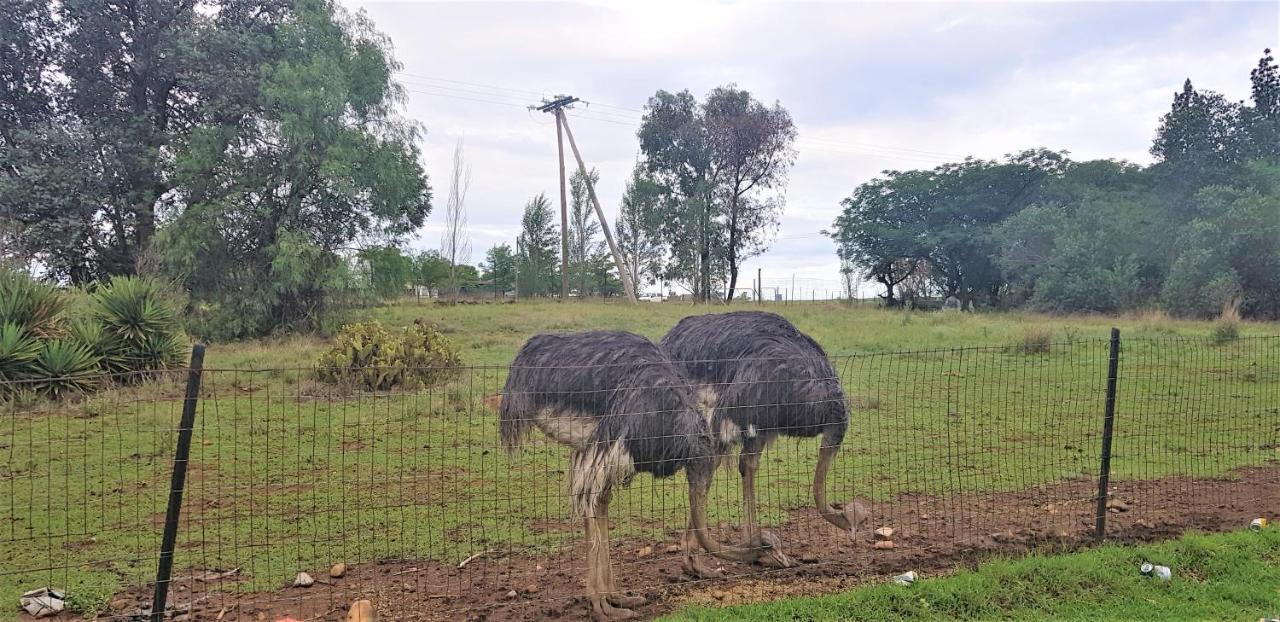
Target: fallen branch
[469, 559]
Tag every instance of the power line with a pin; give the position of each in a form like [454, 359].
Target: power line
[503, 95]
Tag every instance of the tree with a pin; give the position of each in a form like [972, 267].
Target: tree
[1200, 141]
[431, 271]
[751, 148]
[1264, 116]
[499, 268]
[129, 84]
[638, 225]
[455, 242]
[390, 270]
[677, 156]
[276, 183]
[584, 241]
[722, 167]
[538, 248]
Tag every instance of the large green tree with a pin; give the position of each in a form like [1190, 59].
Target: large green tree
[275, 185]
[722, 165]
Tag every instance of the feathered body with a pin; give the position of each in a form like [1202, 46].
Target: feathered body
[767, 377]
[616, 399]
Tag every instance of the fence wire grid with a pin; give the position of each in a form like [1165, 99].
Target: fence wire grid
[409, 499]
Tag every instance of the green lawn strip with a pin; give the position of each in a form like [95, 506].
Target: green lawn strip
[1233, 576]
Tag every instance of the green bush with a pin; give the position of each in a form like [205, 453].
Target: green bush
[64, 368]
[140, 327]
[38, 308]
[132, 325]
[1036, 340]
[18, 349]
[367, 356]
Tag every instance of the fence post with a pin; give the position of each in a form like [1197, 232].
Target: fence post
[1108, 426]
[177, 483]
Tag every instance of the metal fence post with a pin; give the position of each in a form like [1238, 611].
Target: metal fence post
[177, 483]
[1108, 426]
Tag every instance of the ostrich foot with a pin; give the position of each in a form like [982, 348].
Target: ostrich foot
[602, 611]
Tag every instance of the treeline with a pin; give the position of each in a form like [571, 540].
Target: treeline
[238, 148]
[1197, 231]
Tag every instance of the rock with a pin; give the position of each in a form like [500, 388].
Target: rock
[884, 544]
[362, 611]
[338, 570]
[43, 602]
[1116, 505]
[511, 594]
[673, 548]
[532, 589]
[645, 551]
[924, 516]
[538, 568]
[884, 533]
[303, 580]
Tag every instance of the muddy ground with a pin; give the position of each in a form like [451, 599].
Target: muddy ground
[932, 536]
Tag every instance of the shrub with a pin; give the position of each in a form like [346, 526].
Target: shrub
[368, 356]
[36, 307]
[140, 327]
[1227, 328]
[64, 368]
[1036, 340]
[429, 356]
[18, 349]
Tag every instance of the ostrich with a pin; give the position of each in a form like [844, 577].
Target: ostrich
[621, 407]
[764, 378]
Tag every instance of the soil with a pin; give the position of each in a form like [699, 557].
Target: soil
[933, 536]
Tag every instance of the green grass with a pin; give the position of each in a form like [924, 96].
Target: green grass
[288, 475]
[1231, 576]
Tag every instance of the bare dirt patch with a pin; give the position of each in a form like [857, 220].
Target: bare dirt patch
[932, 536]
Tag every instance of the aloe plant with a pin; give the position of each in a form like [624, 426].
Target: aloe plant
[38, 308]
[64, 367]
[18, 349]
[140, 325]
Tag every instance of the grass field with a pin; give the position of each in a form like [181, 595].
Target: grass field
[1215, 577]
[287, 474]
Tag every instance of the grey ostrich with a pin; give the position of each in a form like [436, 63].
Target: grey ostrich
[766, 379]
[621, 407]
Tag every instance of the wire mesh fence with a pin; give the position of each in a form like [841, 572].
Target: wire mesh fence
[409, 499]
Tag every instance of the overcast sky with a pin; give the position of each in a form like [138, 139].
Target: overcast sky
[871, 86]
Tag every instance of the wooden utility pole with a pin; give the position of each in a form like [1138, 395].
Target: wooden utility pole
[554, 106]
[627, 286]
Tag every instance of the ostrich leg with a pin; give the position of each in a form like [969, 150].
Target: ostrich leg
[599, 574]
[612, 595]
[767, 544]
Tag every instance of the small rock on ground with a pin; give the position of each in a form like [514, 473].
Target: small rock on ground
[885, 544]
